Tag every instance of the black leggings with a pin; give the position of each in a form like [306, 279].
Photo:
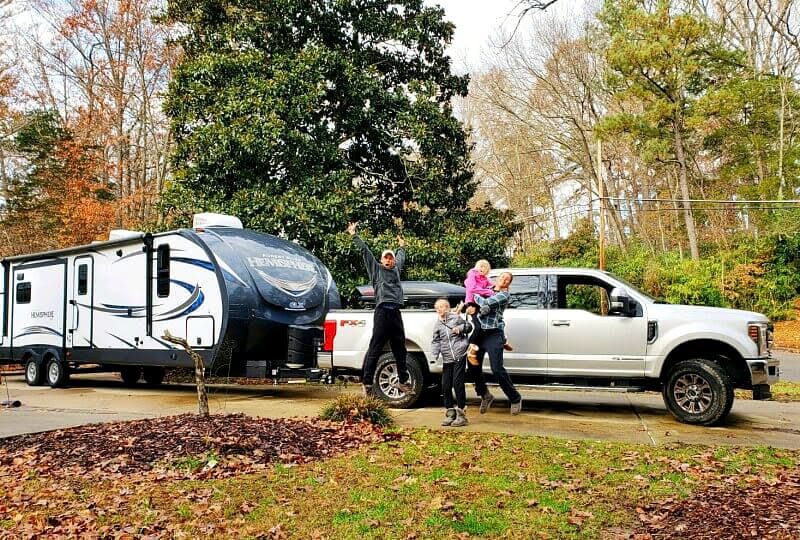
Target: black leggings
[453, 379]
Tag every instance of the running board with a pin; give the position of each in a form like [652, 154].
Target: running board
[572, 387]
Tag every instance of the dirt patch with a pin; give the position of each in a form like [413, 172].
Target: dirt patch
[766, 508]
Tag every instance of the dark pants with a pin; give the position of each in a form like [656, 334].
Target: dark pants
[387, 326]
[453, 380]
[491, 342]
[475, 336]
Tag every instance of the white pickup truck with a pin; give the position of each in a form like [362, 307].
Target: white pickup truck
[587, 329]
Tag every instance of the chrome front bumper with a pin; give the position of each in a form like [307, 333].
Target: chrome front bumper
[764, 370]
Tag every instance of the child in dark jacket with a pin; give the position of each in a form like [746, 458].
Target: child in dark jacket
[450, 340]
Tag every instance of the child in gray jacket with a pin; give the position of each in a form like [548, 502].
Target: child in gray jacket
[450, 340]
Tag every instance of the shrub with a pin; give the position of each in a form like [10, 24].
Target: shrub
[354, 408]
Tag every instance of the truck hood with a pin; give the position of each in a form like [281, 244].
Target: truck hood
[684, 312]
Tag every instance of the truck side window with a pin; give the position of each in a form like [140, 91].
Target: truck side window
[83, 279]
[162, 271]
[527, 293]
[587, 294]
[24, 293]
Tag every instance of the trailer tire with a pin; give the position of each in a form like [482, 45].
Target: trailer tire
[698, 391]
[130, 375]
[57, 373]
[386, 375]
[33, 372]
[153, 375]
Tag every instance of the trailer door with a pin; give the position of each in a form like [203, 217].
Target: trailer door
[82, 301]
[39, 294]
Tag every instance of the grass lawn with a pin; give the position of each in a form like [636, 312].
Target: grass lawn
[785, 391]
[431, 484]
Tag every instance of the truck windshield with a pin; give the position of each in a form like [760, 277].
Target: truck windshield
[631, 287]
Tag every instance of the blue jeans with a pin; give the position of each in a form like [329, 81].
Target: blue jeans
[491, 342]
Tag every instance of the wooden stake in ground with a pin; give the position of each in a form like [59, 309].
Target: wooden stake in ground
[199, 371]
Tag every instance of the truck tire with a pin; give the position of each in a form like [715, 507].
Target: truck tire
[153, 375]
[56, 373]
[698, 391]
[130, 375]
[386, 375]
[33, 372]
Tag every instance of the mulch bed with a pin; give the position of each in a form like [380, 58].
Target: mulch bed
[240, 444]
[766, 508]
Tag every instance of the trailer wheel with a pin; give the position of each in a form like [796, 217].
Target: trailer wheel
[57, 373]
[130, 375]
[153, 375]
[33, 372]
[386, 376]
[698, 391]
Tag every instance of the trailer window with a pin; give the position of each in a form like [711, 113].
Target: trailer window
[24, 293]
[83, 279]
[162, 271]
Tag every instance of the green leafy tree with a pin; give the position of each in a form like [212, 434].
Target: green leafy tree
[300, 116]
[664, 61]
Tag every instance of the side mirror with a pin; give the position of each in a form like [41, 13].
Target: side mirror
[620, 303]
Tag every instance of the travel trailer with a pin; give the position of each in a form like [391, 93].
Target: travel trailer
[249, 303]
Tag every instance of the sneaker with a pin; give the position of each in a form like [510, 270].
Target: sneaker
[460, 420]
[449, 417]
[507, 347]
[459, 307]
[486, 402]
[516, 408]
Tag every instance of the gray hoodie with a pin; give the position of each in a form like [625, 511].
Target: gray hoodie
[385, 282]
[451, 346]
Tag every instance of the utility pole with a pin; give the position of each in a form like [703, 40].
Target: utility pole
[601, 191]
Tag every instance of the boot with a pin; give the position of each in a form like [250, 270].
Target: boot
[486, 402]
[461, 418]
[449, 417]
[472, 354]
[507, 346]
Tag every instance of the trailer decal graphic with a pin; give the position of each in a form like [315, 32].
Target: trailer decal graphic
[128, 343]
[195, 300]
[30, 330]
[292, 288]
[227, 273]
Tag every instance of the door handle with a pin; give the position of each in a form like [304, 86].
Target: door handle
[560, 323]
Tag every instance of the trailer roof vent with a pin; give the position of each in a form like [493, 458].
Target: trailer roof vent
[122, 234]
[209, 219]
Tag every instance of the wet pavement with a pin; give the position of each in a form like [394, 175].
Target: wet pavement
[640, 418]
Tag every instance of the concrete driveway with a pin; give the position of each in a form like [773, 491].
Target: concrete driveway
[639, 418]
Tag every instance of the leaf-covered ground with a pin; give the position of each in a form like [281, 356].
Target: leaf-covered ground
[787, 334]
[234, 476]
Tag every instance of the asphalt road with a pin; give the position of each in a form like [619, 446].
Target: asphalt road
[790, 365]
[636, 418]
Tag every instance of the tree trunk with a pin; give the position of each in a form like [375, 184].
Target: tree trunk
[199, 371]
[691, 233]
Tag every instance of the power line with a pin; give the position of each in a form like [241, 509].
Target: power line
[715, 201]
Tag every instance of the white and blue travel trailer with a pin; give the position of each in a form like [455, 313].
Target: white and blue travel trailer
[250, 303]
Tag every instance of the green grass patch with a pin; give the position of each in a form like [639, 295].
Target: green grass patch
[785, 391]
[440, 484]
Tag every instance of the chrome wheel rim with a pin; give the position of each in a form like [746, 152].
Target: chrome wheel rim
[30, 371]
[693, 393]
[387, 379]
[53, 371]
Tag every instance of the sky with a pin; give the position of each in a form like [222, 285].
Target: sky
[477, 21]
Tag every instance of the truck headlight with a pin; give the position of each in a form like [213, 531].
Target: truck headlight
[759, 333]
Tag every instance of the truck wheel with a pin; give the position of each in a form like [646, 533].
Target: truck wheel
[386, 376]
[130, 375]
[698, 391]
[57, 373]
[153, 375]
[33, 372]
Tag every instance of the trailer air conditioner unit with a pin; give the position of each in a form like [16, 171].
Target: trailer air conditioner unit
[122, 234]
[209, 219]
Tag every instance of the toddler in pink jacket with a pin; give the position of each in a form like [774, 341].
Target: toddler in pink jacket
[478, 283]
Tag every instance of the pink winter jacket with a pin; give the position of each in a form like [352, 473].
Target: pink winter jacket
[477, 284]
